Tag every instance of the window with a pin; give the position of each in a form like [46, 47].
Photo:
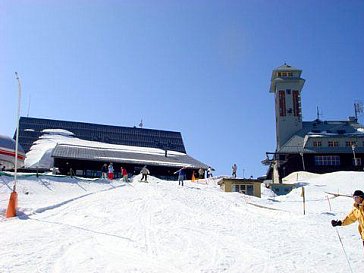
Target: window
[238, 188]
[288, 91]
[349, 143]
[296, 103]
[246, 189]
[285, 74]
[333, 143]
[282, 103]
[327, 160]
[317, 144]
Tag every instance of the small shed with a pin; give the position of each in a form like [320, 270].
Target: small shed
[242, 185]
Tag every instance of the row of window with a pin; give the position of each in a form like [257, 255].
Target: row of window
[334, 143]
[333, 160]
[246, 189]
[103, 130]
[327, 160]
[284, 74]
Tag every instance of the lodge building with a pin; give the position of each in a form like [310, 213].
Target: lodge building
[130, 147]
[315, 146]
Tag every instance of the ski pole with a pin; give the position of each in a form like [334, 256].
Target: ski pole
[328, 200]
[342, 245]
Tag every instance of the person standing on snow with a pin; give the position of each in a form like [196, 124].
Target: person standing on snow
[235, 168]
[124, 174]
[111, 171]
[144, 173]
[104, 171]
[209, 172]
[201, 173]
[181, 175]
[357, 214]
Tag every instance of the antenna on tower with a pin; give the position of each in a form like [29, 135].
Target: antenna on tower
[317, 113]
[141, 123]
[358, 108]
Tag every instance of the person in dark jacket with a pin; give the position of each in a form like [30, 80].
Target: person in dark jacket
[181, 175]
[356, 214]
[104, 171]
[234, 170]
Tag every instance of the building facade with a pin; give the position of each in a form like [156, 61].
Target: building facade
[314, 146]
[245, 186]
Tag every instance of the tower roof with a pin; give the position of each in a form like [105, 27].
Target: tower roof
[286, 67]
[295, 75]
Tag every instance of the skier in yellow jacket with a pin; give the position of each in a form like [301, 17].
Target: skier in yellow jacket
[357, 214]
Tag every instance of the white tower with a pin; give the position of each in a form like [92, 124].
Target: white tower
[286, 84]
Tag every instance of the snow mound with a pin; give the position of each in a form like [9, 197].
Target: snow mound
[297, 176]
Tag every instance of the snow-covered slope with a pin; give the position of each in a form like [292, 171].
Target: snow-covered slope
[73, 225]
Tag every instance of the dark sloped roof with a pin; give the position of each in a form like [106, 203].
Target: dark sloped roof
[31, 129]
[173, 159]
[324, 130]
[8, 143]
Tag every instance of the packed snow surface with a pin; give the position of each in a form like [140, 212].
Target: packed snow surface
[77, 225]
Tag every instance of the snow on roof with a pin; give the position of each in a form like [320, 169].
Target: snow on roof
[61, 132]
[40, 153]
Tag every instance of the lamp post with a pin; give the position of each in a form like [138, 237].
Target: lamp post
[13, 201]
[17, 131]
[353, 146]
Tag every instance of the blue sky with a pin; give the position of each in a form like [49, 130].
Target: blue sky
[199, 67]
